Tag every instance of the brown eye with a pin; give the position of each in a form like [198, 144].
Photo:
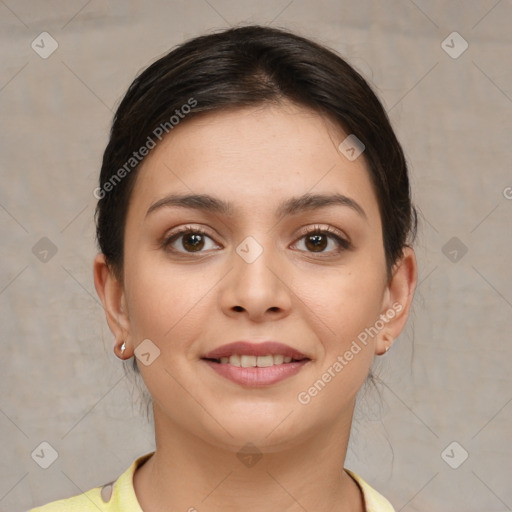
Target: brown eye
[317, 240]
[192, 240]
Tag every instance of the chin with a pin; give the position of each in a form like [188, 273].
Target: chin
[269, 432]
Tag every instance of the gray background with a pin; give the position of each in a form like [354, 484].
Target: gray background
[446, 379]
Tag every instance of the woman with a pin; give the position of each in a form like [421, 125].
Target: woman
[255, 228]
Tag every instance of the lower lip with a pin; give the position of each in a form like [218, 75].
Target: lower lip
[255, 376]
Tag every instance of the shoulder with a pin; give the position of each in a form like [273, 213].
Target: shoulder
[374, 501]
[115, 496]
[85, 502]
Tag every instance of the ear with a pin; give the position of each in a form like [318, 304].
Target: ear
[397, 300]
[111, 293]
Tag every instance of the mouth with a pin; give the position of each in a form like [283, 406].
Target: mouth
[250, 361]
[256, 364]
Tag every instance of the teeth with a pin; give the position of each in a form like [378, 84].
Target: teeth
[252, 361]
[264, 361]
[247, 361]
[278, 359]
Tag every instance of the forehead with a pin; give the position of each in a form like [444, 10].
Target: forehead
[254, 158]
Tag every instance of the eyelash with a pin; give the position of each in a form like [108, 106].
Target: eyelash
[343, 244]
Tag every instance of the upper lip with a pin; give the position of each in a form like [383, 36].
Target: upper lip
[255, 349]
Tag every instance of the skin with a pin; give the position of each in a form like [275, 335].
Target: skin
[188, 303]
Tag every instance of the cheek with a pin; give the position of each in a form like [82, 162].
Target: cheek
[343, 306]
[342, 313]
[346, 299]
[163, 299]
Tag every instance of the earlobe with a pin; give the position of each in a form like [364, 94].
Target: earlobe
[397, 300]
[111, 293]
[383, 345]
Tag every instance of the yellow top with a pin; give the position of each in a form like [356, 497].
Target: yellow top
[119, 496]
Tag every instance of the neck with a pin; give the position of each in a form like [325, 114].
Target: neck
[186, 473]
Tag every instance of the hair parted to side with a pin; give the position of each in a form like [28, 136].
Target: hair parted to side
[247, 66]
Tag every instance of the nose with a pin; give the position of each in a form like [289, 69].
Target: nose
[258, 285]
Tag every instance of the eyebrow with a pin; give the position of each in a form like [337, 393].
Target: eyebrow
[291, 206]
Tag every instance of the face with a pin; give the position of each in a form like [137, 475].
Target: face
[275, 264]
